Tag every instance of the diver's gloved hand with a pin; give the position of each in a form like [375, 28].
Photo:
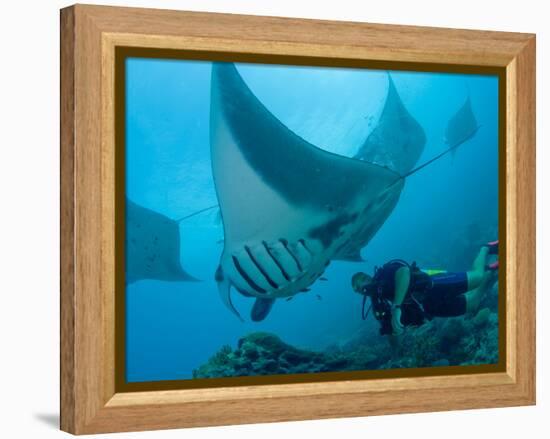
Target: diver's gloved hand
[398, 328]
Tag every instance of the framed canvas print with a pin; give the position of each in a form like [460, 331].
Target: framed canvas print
[271, 219]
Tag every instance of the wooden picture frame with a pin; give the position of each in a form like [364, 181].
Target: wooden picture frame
[91, 401]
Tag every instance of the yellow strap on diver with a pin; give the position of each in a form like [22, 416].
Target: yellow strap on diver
[432, 271]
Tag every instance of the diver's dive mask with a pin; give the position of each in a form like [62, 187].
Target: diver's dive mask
[363, 284]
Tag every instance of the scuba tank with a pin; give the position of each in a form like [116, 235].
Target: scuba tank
[413, 313]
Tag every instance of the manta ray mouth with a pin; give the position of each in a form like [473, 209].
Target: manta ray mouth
[270, 270]
[247, 278]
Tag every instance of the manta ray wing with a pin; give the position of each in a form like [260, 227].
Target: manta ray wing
[350, 255]
[287, 206]
[397, 142]
[152, 246]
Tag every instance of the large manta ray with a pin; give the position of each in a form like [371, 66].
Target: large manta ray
[288, 207]
[152, 246]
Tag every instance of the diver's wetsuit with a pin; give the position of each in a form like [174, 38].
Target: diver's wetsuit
[432, 293]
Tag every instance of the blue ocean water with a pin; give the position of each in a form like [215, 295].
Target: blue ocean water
[174, 327]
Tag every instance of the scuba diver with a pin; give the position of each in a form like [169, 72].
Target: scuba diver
[403, 294]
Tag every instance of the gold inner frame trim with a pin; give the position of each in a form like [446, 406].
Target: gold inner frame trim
[115, 49]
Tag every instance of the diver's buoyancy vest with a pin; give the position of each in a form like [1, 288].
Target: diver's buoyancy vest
[420, 282]
[384, 277]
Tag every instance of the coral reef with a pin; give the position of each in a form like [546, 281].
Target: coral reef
[466, 340]
[261, 353]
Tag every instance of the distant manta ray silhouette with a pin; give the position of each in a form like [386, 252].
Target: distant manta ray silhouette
[462, 126]
[152, 246]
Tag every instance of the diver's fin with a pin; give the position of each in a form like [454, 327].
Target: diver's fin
[493, 247]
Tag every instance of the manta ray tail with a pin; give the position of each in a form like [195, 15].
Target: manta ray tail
[197, 212]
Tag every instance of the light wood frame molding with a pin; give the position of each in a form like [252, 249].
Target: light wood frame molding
[89, 36]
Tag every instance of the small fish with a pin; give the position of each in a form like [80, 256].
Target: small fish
[323, 278]
[318, 297]
[305, 290]
[289, 299]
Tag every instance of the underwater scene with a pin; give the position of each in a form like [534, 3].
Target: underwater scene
[289, 219]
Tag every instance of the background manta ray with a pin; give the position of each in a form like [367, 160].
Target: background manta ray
[152, 246]
[462, 126]
[398, 140]
[288, 207]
